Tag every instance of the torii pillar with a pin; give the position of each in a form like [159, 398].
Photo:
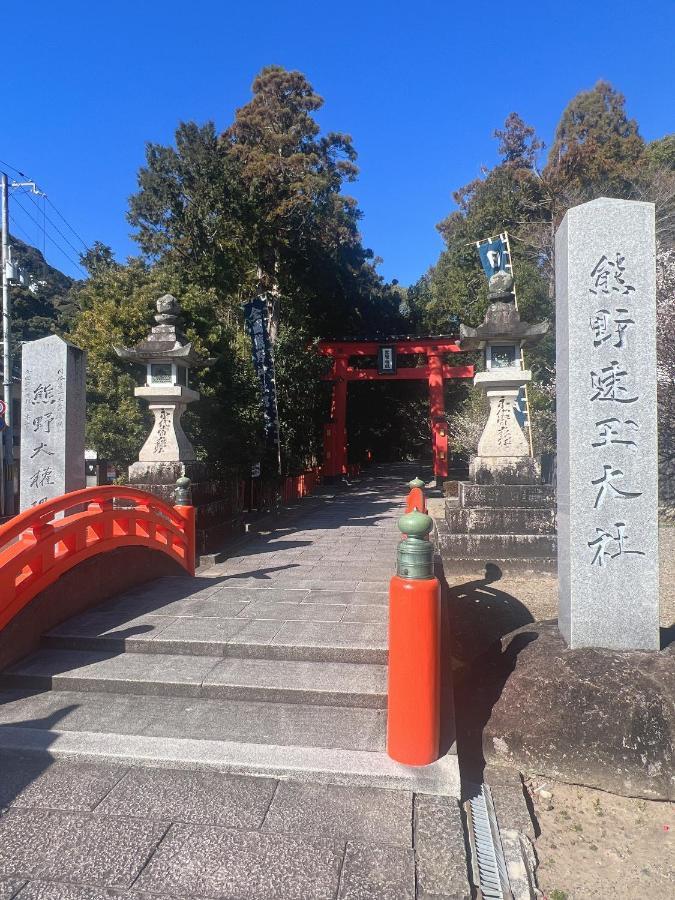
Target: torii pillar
[335, 431]
[439, 428]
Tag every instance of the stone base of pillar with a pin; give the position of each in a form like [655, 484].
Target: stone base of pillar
[504, 470]
[218, 499]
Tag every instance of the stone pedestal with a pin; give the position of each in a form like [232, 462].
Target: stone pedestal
[217, 498]
[503, 446]
[53, 409]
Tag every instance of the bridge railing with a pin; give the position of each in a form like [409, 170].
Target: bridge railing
[42, 543]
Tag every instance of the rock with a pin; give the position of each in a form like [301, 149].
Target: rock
[603, 718]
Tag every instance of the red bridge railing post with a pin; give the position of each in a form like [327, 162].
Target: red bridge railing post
[414, 690]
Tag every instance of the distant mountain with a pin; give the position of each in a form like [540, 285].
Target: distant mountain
[43, 301]
[31, 260]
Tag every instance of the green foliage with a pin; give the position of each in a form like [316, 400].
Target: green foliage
[261, 206]
[596, 145]
[597, 151]
[219, 217]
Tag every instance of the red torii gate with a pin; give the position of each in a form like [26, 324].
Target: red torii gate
[434, 372]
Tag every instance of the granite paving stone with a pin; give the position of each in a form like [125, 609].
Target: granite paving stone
[385, 873]
[373, 587]
[298, 612]
[183, 606]
[208, 636]
[366, 612]
[52, 890]
[176, 795]
[75, 847]
[134, 630]
[440, 854]
[317, 585]
[345, 597]
[257, 631]
[36, 781]
[9, 887]
[320, 634]
[364, 814]
[268, 594]
[196, 861]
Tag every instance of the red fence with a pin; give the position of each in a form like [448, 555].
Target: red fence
[44, 542]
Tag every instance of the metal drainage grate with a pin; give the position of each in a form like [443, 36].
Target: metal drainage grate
[489, 867]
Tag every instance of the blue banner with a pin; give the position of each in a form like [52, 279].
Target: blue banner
[494, 255]
[255, 315]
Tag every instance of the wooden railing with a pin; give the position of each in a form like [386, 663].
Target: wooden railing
[44, 542]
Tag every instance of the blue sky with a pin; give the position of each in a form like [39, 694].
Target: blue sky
[420, 86]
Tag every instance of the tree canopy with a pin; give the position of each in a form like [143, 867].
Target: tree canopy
[263, 206]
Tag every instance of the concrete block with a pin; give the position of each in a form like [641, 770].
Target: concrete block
[440, 852]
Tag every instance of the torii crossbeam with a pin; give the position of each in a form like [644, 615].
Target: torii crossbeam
[434, 372]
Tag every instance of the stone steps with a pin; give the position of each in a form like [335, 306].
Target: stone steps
[302, 763]
[265, 639]
[272, 662]
[214, 677]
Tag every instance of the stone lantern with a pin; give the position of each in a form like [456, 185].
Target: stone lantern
[167, 356]
[503, 449]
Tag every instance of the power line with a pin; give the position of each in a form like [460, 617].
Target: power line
[56, 227]
[20, 227]
[13, 168]
[54, 207]
[84, 244]
[57, 245]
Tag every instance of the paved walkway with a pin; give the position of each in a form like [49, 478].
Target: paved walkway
[224, 737]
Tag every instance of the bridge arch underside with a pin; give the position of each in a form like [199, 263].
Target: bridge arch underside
[87, 584]
[412, 363]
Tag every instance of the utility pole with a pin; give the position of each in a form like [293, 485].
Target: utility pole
[7, 434]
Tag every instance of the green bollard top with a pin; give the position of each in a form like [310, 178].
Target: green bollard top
[415, 524]
[415, 554]
[416, 483]
[183, 485]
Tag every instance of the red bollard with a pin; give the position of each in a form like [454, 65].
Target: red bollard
[414, 693]
[416, 499]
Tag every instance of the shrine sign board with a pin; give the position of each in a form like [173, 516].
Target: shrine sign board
[607, 481]
[386, 360]
[53, 407]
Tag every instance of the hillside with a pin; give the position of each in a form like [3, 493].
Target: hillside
[43, 301]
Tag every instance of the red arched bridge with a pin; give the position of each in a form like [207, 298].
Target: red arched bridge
[43, 543]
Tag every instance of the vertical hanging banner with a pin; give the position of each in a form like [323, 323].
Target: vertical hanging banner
[495, 256]
[255, 316]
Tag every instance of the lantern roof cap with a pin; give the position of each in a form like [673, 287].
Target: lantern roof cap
[165, 341]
